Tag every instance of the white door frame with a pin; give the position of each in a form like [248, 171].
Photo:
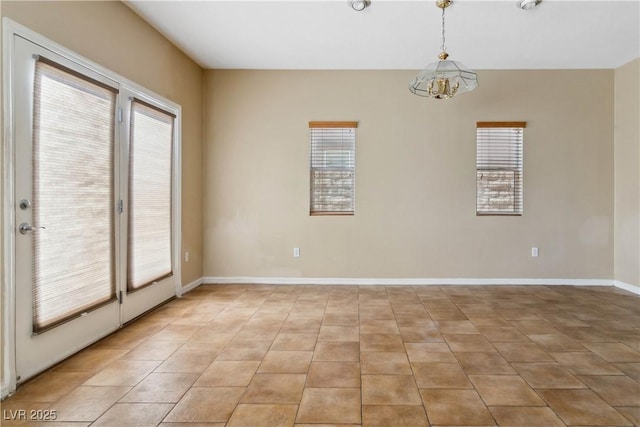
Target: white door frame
[10, 29]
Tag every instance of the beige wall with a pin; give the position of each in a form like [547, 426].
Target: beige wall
[112, 35]
[627, 173]
[415, 179]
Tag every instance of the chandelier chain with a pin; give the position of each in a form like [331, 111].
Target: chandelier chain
[443, 47]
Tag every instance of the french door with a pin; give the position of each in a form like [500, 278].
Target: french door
[93, 189]
[147, 264]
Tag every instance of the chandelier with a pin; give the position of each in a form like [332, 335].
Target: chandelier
[444, 79]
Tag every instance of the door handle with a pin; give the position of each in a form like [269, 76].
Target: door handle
[26, 227]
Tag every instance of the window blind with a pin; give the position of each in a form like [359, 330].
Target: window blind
[332, 167]
[499, 167]
[150, 183]
[73, 194]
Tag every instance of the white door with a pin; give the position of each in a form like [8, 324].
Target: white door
[94, 235]
[65, 213]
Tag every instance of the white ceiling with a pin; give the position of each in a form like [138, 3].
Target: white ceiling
[398, 34]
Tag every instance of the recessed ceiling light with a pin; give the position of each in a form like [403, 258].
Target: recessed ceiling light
[359, 5]
[528, 4]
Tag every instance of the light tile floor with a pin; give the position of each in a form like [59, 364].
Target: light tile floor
[254, 355]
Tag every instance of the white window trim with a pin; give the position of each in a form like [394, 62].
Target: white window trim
[10, 29]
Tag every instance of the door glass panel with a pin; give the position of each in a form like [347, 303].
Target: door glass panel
[150, 183]
[73, 199]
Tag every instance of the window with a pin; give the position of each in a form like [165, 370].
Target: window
[73, 146]
[150, 171]
[333, 167]
[499, 168]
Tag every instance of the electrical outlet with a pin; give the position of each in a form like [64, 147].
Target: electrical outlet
[296, 252]
[186, 256]
[534, 251]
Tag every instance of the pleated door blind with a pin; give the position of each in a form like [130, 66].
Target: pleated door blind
[499, 166]
[150, 184]
[332, 167]
[73, 194]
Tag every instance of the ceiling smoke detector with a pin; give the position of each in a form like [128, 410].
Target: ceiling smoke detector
[528, 4]
[359, 5]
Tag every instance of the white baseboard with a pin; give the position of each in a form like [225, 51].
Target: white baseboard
[627, 287]
[400, 281]
[191, 286]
